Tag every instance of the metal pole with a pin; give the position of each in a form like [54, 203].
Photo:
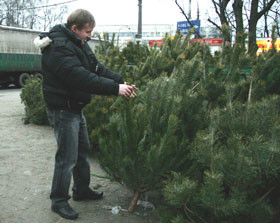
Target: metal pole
[190, 9]
[197, 17]
[139, 34]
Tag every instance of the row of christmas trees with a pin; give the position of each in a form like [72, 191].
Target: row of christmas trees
[202, 131]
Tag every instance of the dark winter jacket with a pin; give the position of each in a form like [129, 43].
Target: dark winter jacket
[71, 72]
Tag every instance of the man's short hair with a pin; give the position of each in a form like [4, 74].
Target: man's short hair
[80, 18]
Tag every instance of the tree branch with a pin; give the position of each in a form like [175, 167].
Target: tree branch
[265, 9]
[215, 24]
[187, 18]
[246, 13]
[215, 5]
[229, 16]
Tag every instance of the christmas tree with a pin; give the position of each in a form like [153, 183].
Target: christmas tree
[236, 160]
[149, 137]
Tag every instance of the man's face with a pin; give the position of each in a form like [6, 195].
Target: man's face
[84, 33]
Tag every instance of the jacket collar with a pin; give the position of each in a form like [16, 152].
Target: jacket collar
[61, 30]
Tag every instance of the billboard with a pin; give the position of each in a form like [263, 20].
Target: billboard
[209, 41]
[155, 42]
[266, 44]
[185, 26]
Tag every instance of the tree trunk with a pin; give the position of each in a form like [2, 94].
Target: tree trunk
[223, 7]
[266, 32]
[254, 18]
[238, 13]
[220, 8]
[252, 45]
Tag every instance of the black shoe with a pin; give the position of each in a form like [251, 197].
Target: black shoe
[65, 212]
[89, 195]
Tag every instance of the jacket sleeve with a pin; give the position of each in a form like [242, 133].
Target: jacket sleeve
[64, 63]
[105, 72]
[100, 69]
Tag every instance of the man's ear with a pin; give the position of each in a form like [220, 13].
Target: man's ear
[74, 28]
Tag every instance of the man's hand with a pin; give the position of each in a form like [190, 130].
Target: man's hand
[127, 91]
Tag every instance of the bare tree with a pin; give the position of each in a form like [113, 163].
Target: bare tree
[250, 11]
[266, 17]
[255, 14]
[30, 17]
[185, 15]
[2, 12]
[13, 12]
[220, 9]
[238, 14]
[269, 19]
[243, 17]
[276, 19]
[38, 14]
[49, 16]
[10, 13]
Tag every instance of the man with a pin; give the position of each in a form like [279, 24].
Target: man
[71, 73]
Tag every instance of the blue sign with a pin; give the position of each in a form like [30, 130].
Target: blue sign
[185, 26]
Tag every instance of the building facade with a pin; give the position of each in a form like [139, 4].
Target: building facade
[151, 33]
[126, 33]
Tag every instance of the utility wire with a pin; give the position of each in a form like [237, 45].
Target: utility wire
[45, 6]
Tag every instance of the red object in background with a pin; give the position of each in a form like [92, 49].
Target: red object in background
[209, 41]
[155, 42]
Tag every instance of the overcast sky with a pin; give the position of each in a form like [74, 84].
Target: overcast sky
[113, 12]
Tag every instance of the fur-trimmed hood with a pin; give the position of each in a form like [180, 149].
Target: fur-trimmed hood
[42, 41]
[58, 31]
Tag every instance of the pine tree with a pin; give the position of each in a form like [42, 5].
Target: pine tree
[98, 111]
[237, 158]
[143, 145]
[150, 65]
[33, 100]
[151, 135]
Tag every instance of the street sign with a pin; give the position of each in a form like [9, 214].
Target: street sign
[185, 26]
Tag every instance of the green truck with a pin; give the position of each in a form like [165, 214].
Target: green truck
[19, 58]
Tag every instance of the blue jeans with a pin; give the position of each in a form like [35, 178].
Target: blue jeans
[71, 157]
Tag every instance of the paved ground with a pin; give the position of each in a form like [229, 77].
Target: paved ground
[26, 168]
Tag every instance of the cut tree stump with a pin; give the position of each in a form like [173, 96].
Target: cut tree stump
[133, 202]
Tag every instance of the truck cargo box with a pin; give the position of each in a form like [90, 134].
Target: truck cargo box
[19, 58]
